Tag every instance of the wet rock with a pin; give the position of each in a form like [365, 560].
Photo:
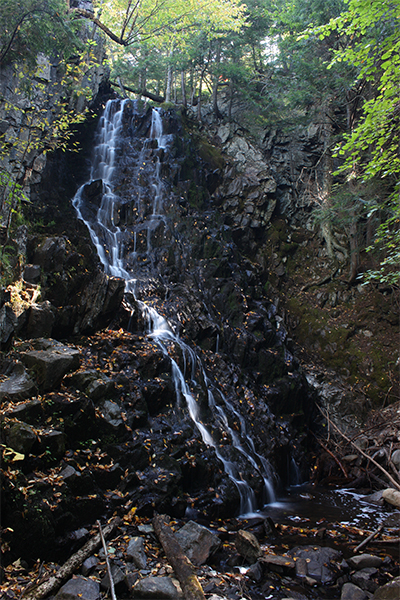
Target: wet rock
[197, 542]
[247, 546]
[21, 438]
[364, 561]
[136, 553]
[52, 441]
[279, 564]
[396, 459]
[157, 588]
[32, 274]
[99, 302]
[390, 591]
[79, 588]
[255, 572]
[29, 412]
[50, 360]
[375, 498]
[93, 383]
[363, 578]
[119, 580]
[41, 320]
[89, 564]
[392, 496]
[18, 384]
[51, 254]
[318, 561]
[110, 415]
[352, 592]
[8, 323]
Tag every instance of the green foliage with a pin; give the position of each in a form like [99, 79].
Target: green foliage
[370, 151]
[31, 26]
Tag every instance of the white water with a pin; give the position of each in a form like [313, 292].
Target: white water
[109, 241]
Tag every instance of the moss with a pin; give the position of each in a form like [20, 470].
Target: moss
[211, 155]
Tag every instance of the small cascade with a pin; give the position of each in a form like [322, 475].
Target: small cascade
[110, 241]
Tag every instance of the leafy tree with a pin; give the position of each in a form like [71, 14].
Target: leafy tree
[370, 150]
[31, 26]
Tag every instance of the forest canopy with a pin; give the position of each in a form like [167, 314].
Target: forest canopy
[335, 63]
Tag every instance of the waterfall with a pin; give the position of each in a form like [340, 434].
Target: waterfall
[110, 241]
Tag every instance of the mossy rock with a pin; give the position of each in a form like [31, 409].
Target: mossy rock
[211, 155]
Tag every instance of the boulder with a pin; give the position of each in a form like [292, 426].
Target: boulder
[118, 577]
[157, 588]
[50, 360]
[197, 542]
[364, 561]
[111, 418]
[364, 579]
[318, 561]
[136, 553]
[392, 496]
[247, 546]
[352, 592]
[8, 322]
[18, 385]
[396, 459]
[390, 591]
[41, 320]
[79, 588]
[51, 254]
[21, 438]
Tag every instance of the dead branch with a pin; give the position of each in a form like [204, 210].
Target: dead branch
[73, 563]
[103, 541]
[335, 458]
[368, 539]
[182, 566]
[348, 440]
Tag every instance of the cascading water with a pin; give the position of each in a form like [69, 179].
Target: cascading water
[111, 243]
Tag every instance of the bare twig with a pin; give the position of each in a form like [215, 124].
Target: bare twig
[395, 483]
[368, 539]
[335, 458]
[103, 541]
[46, 588]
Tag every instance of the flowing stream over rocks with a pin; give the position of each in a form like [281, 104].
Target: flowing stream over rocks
[111, 242]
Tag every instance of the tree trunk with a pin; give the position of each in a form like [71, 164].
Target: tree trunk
[168, 90]
[217, 113]
[199, 102]
[182, 566]
[183, 88]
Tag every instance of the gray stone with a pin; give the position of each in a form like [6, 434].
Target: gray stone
[32, 274]
[53, 441]
[390, 591]
[352, 592]
[51, 360]
[118, 576]
[318, 561]
[197, 542]
[79, 588]
[29, 412]
[8, 322]
[89, 564]
[279, 564]
[157, 588]
[18, 385]
[392, 496]
[136, 553]
[41, 320]
[375, 498]
[396, 459]
[51, 254]
[364, 561]
[21, 438]
[247, 546]
[363, 579]
[110, 413]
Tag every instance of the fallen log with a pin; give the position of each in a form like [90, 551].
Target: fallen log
[73, 563]
[180, 563]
